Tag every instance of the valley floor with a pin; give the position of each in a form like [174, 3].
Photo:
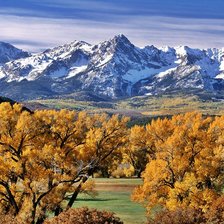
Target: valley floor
[114, 195]
[140, 109]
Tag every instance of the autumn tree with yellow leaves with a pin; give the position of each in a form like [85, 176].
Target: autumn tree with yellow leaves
[47, 156]
[138, 150]
[186, 168]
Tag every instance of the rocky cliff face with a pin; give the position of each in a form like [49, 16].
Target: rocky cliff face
[9, 53]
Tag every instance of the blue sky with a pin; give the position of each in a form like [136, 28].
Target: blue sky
[38, 24]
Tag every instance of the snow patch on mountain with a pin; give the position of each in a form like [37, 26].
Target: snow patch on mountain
[134, 76]
[76, 70]
[166, 72]
[105, 61]
[2, 74]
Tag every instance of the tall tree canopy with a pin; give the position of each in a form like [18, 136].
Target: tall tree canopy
[187, 163]
[48, 154]
[138, 150]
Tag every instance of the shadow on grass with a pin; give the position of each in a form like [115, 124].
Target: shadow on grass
[95, 199]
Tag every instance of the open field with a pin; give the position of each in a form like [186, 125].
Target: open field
[114, 195]
[173, 104]
[142, 107]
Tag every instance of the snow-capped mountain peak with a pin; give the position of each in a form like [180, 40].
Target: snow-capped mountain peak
[114, 68]
[8, 52]
[120, 39]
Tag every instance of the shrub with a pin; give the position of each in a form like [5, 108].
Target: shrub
[84, 216]
[179, 216]
[118, 173]
[123, 171]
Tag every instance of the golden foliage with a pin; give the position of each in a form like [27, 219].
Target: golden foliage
[84, 216]
[215, 214]
[48, 153]
[179, 216]
[186, 169]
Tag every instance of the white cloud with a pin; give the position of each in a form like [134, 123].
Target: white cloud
[141, 30]
[80, 4]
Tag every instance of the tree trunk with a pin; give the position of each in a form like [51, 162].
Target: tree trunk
[105, 172]
[33, 215]
[58, 210]
[42, 218]
[76, 192]
[139, 174]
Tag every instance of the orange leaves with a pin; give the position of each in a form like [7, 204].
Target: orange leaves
[44, 153]
[187, 164]
[84, 215]
[215, 214]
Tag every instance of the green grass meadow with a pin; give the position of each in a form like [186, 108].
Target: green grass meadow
[114, 195]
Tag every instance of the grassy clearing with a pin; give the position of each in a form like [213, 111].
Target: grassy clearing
[142, 106]
[172, 104]
[114, 195]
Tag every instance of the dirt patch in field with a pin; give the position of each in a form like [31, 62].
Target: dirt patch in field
[115, 187]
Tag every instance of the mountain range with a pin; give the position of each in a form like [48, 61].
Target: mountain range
[112, 69]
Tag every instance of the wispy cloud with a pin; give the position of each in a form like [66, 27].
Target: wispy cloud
[89, 5]
[38, 26]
